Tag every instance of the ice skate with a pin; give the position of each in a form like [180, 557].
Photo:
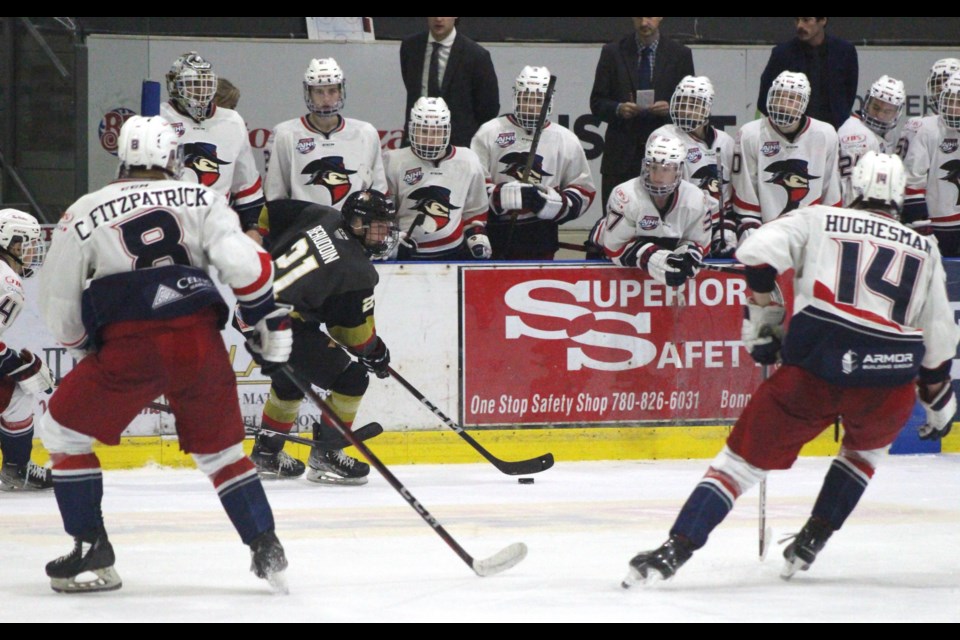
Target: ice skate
[89, 567]
[333, 466]
[275, 465]
[801, 553]
[268, 561]
[25, 477]
[660, 564]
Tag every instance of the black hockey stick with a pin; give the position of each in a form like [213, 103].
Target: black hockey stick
[496, 563]
[518, 468]
[531, 158]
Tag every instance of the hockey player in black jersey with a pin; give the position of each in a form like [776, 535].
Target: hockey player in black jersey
[323, 269]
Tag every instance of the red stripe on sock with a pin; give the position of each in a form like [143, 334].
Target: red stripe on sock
[232, 471]
[68, 462]
[728, 483]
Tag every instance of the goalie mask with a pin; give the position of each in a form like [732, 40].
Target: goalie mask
[879, 180]
[939, 72]
[149, 143]
[430, 128]
[529, 92]
[20, 239]
[950, 102]
[691, 103]
[787, 98]
[370, 216]
[884, 105]
[662, 165]
[324, 72]
[192, 84]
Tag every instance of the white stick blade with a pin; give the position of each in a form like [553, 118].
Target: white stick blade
[501, 561]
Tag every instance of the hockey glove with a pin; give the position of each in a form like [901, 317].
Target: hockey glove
[377, 360]
[762, 331]
[724, 244]
[940, 411]
[507, 197]
[666, 268]
[33, 375]
[271, 340]
[692, 259]
[553, 204]
[479, 245]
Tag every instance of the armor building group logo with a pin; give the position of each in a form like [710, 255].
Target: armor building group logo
[573, 345]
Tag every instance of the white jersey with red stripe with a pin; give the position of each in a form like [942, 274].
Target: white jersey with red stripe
[908, 133]
[633, 220]
[932, 167]
[132, 225]
[774, 173]
[870, 299]
[448, 194]
[303, 163]
[502, 146]
[855, 141]
[11, 296]
[217, 154]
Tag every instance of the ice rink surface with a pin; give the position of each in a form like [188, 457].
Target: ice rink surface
[361, 554]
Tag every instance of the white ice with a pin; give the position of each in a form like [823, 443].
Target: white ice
[363, 554]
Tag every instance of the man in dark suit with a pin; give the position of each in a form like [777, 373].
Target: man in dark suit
[462, 72]
[641, 61]
[830, 64]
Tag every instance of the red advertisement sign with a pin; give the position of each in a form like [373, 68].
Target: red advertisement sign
[547, 345]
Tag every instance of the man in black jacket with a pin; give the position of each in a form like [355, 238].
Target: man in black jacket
[441, 63]
[830, 63]
[644, 60]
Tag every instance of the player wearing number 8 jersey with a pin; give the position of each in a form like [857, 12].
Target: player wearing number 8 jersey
[130, 295]
[872, 330]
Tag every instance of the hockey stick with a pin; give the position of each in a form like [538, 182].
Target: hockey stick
[531, 157]
[518, 468]
[496, 563]
[764, 532]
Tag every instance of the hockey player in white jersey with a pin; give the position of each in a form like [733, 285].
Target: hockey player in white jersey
[784, 161]
[709, 154]
[560, 187]
[323, 157]
[216, 145]
[439, 190]
[23, 375]
[127, 290]
[939, 73]
[933, 172]
[872, 331]
[873, 128]
[659, 222]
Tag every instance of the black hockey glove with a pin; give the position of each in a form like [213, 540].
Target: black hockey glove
[377, 360]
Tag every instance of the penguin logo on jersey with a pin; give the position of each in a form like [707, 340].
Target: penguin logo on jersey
[201, 157]
[791, 175]
[707, 179]
[434, 201]
[952, 167]
[329, 172]
[516, 161]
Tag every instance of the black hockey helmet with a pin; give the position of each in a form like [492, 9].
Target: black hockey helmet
[372, 218]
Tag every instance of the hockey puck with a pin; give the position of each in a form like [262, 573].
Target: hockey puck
[525, 480]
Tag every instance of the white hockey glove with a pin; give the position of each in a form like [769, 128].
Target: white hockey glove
[507, 197]
[553, 203]
[479, 246]
[762, 331]
[272, 337]
[33, 375]
[940, 411]
[666, 268]
[724, 244]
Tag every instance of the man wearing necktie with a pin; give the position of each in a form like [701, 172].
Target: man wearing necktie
[442, 63]
[644, 60]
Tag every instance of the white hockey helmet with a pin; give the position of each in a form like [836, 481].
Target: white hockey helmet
[788, 98]
[879, 179]
[324, 72]
[939, 72]
[429, 128]
[662, 165]
[884, 105]
[19, 227]
[691, 103]
[149, 143]
[529, 92]
[192, 84]
[950, 102]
